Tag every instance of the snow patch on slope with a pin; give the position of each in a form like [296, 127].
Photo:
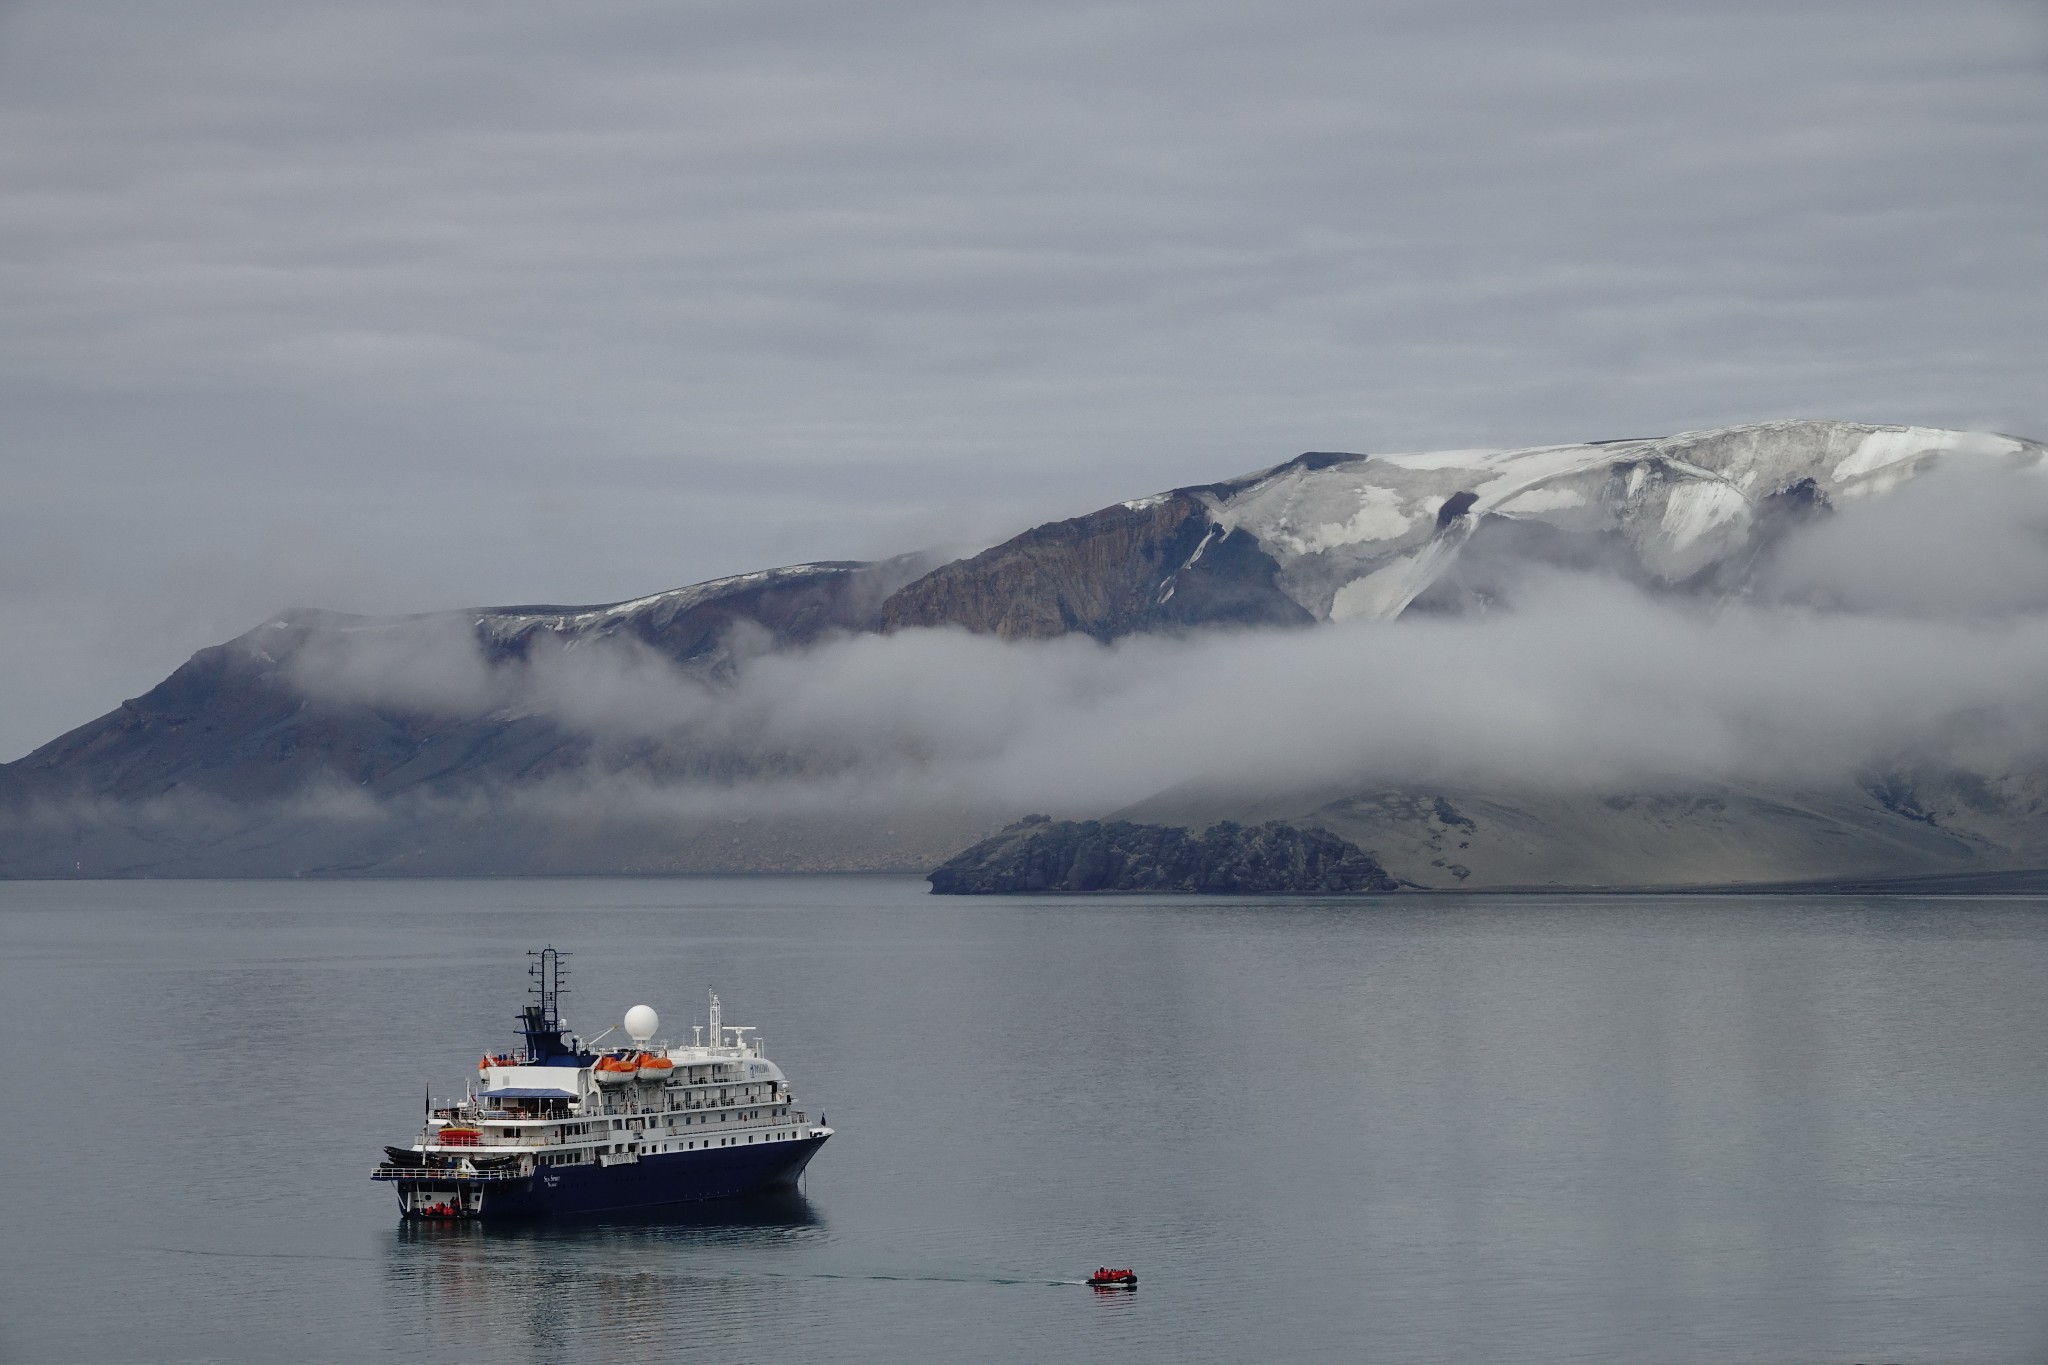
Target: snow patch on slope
[1378, 516]
[1884, 448]
[1360, 536]
[1694, 509]
[507, 621]
[1387, 591]
[1534, 500]
[1305, 512]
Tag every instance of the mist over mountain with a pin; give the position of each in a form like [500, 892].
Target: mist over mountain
[1781, 652]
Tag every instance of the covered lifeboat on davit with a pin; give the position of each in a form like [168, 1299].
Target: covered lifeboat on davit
[615, 1071]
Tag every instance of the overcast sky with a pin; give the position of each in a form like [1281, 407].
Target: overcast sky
[401, 306]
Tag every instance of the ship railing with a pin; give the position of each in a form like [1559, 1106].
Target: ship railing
[618, 1110]
[390, 1170]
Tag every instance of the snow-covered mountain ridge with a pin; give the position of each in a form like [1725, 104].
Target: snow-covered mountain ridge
[1364, 536]
[567, 738]
[1332, 536]
[1321, 537]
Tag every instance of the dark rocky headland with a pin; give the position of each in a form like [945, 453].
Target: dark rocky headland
[1039, 855]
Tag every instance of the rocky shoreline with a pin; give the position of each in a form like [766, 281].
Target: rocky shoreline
[1042, 856]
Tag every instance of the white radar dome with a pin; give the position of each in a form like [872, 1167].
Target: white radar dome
[641, 1022]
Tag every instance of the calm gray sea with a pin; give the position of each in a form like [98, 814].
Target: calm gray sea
[1528, 1129]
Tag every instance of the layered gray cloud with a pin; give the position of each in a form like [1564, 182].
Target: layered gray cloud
[396, 307]
[1905, 629]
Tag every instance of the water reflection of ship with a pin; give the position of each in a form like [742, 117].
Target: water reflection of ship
[738, 1218]
[534, 1290]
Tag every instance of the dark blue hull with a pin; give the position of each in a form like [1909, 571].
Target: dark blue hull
[652, 1182]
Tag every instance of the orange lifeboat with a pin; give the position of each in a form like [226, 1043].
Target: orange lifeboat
[655, 1068]
[615, 1070]
[461, 1137]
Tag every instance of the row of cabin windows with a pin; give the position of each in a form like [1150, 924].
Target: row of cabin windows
[580, 1129]
[583, 1157]
[669, 1120]
[727, 1141]
[568, 1133]
[573, 1130]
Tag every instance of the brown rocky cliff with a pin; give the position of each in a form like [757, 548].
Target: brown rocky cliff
[1038, 856]
[1161, 564]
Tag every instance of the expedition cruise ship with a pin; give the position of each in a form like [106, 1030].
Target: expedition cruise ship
[566, 1128]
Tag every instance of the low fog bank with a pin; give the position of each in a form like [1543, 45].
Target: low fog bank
[1863, 695]
[1585, 683]
[1908, 629]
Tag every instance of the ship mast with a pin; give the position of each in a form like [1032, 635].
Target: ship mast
[541, 1021]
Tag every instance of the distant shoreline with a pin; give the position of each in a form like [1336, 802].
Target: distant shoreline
[2025, 882]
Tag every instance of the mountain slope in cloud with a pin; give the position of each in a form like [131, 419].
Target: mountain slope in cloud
[1334, 537]
[850, 715]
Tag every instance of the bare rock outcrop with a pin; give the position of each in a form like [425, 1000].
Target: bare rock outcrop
[1156, 564]
[1043, 856]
